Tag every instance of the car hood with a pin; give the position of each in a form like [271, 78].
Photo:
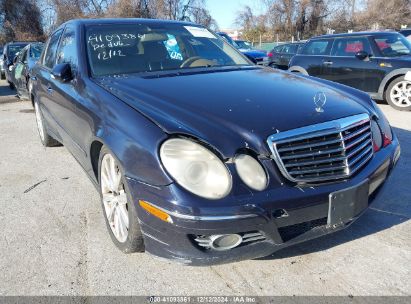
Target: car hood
[231, 109]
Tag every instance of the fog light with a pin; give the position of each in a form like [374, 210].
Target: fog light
[225, 241]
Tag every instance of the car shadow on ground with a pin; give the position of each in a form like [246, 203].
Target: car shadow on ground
[391, 207]
[7, 95]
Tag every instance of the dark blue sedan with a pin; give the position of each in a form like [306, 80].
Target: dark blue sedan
[191, 171]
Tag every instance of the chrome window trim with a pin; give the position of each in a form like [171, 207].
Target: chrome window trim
[321, 129]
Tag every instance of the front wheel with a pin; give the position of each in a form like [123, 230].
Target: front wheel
[398, 94]
[119, 210]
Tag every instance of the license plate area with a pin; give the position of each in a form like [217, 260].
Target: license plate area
[344, 205]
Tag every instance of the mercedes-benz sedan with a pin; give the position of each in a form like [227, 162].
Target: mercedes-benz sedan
[190, 171]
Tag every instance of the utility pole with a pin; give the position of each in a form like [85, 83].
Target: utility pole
[352, 10]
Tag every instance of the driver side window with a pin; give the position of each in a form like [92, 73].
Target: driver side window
[348, 47]
[50, 55]
[67, 51]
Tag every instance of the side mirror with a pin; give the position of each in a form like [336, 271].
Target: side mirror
[361, 55]
[62, 72]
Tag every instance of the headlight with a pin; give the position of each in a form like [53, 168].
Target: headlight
[251, 172]
[376, 135]
[195, 168]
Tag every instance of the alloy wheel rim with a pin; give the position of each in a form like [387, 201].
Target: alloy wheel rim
[114, 198]
[39, 121]
[401, 94]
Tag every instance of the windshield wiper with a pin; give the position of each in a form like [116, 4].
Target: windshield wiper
[199, 70]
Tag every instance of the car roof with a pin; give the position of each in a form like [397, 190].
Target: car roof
[123, 21]
[366, 33]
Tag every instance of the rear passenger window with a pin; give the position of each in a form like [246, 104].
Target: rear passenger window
[348, 47]
[290, 49]
[317, 47]
[50, 55]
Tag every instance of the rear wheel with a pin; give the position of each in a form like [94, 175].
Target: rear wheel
[119, 210]
[45, 138]
[398, 94]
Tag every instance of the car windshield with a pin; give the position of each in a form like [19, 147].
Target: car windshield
[133, 48]
[393, 45]
[244, 45]
[35, 50]
[13, 49]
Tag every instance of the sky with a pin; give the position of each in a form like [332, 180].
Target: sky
[225, 11]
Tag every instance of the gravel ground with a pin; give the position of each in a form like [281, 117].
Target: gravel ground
[54, 241]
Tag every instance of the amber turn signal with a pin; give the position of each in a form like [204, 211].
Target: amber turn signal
[155, 211]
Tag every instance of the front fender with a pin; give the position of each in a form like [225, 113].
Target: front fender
[389, 77]
[133, 138]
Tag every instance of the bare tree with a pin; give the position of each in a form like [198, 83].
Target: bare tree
[21, 20]
[387, 14]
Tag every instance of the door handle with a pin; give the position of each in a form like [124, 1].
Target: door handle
[327, 62]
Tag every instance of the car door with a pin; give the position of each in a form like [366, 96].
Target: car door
[347, 68]
[17, 69]
[68, 99]
[287, 53]
[44, 91]
[314, 56]
[25, 73]
[275, 55]
[21, 73]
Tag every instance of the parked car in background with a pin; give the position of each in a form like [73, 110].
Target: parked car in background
[195, 172]
[406, 32]
[280, 56]
[9, 52]
[21, 73]
[259, 57]
[374, 62]
[2, 70]
[243, 45]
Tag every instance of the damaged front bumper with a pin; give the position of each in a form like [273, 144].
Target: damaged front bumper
[267, 221]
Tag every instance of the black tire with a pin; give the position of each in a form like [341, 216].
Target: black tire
[135, 239]
[11, 85]
[3, 76]
[46, 139]
[387, 94]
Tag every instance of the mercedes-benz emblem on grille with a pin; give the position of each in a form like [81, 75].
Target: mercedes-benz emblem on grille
[320, 99]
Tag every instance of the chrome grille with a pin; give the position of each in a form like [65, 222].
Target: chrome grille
[327, 151]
